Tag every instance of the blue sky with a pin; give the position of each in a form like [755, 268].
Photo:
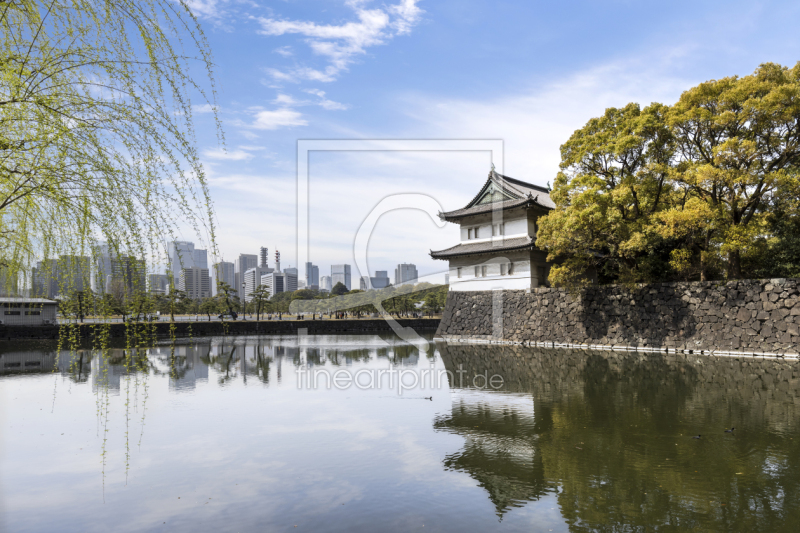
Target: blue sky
[529, 73]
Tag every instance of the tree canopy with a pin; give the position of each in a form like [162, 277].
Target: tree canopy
[96, 132]
[703, 189]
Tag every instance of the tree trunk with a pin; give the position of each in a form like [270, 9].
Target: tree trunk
[734, 265]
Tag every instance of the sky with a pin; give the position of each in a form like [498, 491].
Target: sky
[527, 73]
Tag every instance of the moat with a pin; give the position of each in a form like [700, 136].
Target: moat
[215, 434]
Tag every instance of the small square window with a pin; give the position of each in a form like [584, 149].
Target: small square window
[475, 232]
[477, 272]
[469, 233]
[502, 269]
[483, 271]
[458, 272]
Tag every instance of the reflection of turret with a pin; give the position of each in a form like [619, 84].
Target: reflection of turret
[500, 446]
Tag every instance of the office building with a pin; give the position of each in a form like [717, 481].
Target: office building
[158, 283]
[364, 283]
[116, 274]
[325, 283]
[278, 282]
[340, 274]
[241, 265]
[312, 275]
[222, 272]
[381, 279]
[301, 284]
[195, 282]
[252, 280]
[27, 311]
[405, 273]
[264, 257]
[183, 254]
[9, 282]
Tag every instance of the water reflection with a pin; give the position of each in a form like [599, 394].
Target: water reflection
[601, 438]
[611, 436]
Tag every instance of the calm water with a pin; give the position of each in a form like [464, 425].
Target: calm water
[217, 435]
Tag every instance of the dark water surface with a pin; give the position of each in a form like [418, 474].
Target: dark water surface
[216, 435]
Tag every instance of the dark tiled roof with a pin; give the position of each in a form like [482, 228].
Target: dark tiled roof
[485, 208]
[521, 193]
[517, 243]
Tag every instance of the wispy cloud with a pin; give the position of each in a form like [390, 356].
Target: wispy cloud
[285, 51]
[324, 102]
[341, 44]
[278, 118]
[224, 155]
[205, 108]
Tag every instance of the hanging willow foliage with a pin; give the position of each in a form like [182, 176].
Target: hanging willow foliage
[96, 132]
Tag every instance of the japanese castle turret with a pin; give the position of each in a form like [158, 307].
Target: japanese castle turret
[498, 232]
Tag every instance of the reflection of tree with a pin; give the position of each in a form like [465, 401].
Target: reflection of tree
[499, 451]
[613, 430]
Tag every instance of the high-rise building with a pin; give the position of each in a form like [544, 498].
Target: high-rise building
[9, 282]
[252, 280]
[340, 274]
[277, 282]
[364, 283]
[116, 274]
[183, 254]
[157, 283]
[195, 282]
[244, 263]
[312, 275]
[405, 273]
[325, 283]
[222, 272]
[264, 256]
[381, 279]
[291, 270]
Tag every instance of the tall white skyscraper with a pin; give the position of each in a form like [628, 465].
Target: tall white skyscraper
[244, 263]
[222, 272]
[404, 273]
[325, 283]
[341, 274]
[183, 254]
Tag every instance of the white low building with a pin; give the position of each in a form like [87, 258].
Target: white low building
[27, 311]
[498, 232]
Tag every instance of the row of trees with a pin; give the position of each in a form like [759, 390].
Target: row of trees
[708, 188]
[400, 301]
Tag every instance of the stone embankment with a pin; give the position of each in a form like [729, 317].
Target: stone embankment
[214, 329]
[751, 316]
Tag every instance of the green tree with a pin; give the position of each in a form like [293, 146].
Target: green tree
[339, 289]
[96, 131]
[676, 192]
[613, 181]
[260, 299]
[738, 143]
[209, 306]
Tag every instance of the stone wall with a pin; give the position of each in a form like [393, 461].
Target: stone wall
[749, 315]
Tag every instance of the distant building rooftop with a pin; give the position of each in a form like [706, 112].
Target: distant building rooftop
[20, 300]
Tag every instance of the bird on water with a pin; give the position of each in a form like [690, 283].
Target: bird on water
[697, 437]
[729, 430]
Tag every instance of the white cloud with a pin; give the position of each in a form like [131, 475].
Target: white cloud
[209, 9]
[205, 108]
[282, 117]
[325, 103]
[224, 155]
[341, 44]
[284, 100]
[252, 148]
[285, 51]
